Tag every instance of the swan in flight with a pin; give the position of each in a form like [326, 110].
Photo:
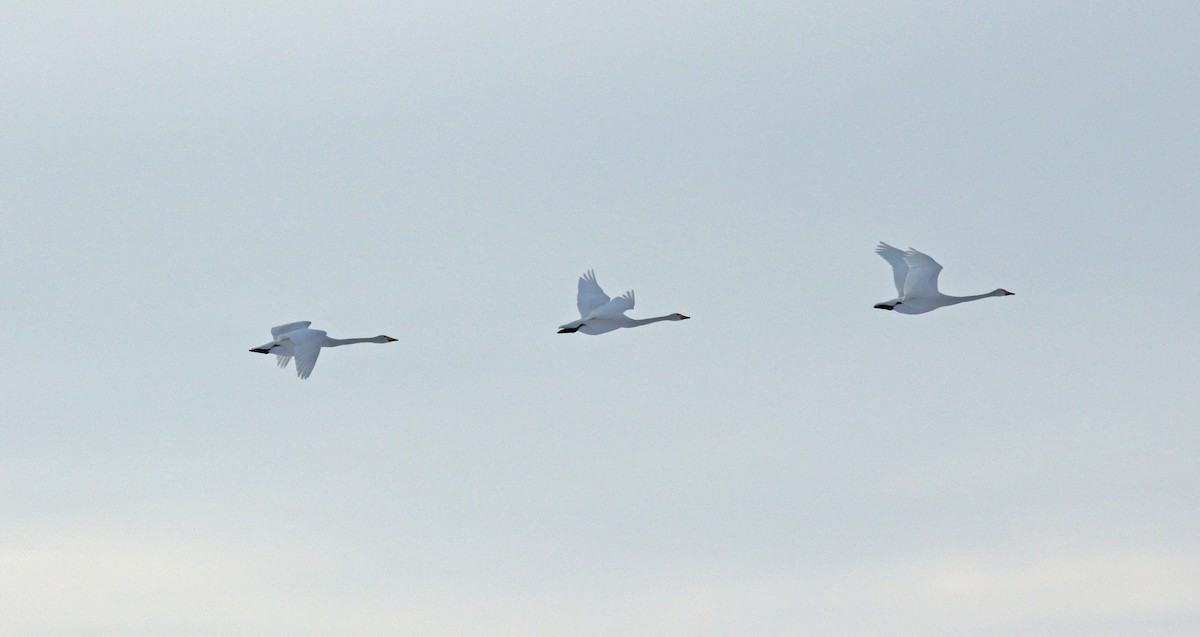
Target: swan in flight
[916, 277]
[296, 340]
[599, 314]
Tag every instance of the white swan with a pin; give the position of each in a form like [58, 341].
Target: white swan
[296, 340]
[916, 277]
[599, 314]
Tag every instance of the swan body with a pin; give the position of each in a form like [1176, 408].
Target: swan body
[599, 314]
[916, 274]
[297, 340]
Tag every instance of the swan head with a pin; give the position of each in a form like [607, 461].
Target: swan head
[1002, 292]
[680, 317]
[384, 339]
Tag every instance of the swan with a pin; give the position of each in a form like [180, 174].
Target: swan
[297, 340]
[599, 314]
[916, 277]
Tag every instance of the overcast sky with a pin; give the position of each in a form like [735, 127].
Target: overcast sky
[176, 180]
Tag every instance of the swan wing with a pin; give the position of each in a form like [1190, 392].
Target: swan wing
[922, 275]
[290, 327]
[590, 295]
[895, 257]
[282, 360]
[614, 308]
[306, 354]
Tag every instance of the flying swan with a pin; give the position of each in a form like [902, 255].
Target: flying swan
[296, 340]
[916, 277]
[599, 314]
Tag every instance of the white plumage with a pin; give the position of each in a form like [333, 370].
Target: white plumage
[297, 340]
[916, 277]
[599, 314]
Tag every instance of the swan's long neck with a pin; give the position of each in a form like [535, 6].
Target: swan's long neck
[335, 342]
[637, 322]
[954, 300]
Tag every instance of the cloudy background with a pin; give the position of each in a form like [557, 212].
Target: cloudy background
[174, 181]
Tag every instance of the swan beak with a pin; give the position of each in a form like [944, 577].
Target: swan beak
[389, 339]
[682, 317]
[259, 350]
[568, 330]
[1007, 293]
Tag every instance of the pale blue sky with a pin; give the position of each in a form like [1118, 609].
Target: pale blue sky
[176, 180]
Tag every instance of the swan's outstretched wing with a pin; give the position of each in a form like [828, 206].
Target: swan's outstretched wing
[894, 256]
[282, 360]
[306, 357]
[590, 295]
[290, 327]
[614, 308]
[922, 275]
